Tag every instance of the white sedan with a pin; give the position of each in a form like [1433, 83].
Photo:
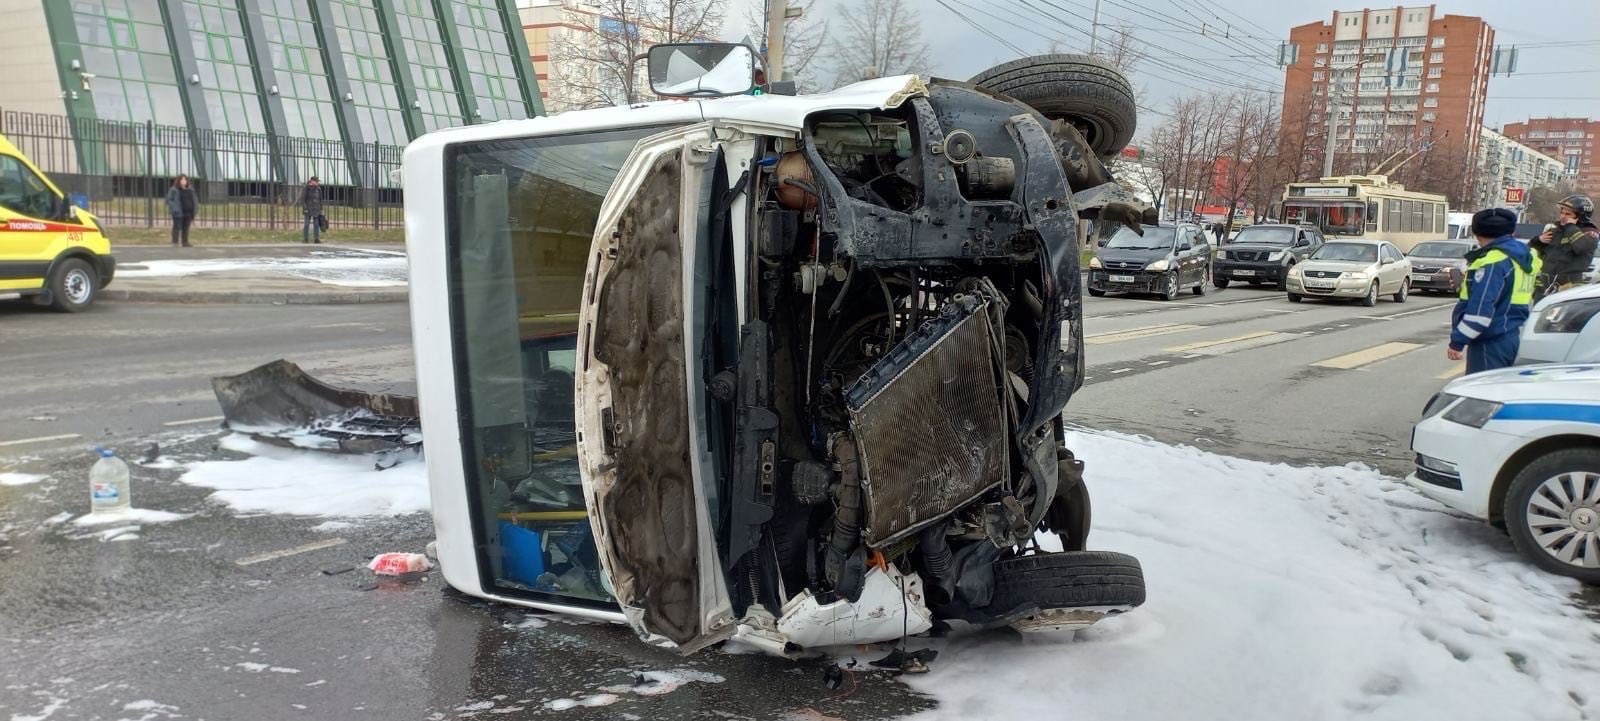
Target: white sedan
[1521, 447]
[1562, 328]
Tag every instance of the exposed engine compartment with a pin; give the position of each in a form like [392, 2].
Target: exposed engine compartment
[912, 337]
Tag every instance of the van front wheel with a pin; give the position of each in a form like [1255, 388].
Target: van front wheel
[73, 286]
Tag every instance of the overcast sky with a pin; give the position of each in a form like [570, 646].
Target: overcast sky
[1170, 28]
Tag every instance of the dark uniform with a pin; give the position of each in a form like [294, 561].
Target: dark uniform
[1569, 251]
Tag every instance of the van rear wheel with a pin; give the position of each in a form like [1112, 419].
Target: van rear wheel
[72, 286]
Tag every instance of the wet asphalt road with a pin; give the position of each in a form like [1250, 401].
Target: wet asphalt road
[169, 624]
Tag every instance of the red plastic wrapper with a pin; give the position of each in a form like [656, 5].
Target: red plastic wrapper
[395, 564]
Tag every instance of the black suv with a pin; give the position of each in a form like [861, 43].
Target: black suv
[1264, 254]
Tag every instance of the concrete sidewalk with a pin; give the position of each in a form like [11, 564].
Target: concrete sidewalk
[243, 285]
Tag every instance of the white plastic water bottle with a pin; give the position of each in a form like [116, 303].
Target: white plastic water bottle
[108, 483]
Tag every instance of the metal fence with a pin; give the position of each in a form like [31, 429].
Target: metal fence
[121, 171]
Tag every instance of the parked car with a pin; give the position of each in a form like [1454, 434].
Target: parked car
[1520, 447]
[1439, 265]
[1362, 269]
[1561, 328]
[1593, 271]
[1164, 260]
[1264, 253]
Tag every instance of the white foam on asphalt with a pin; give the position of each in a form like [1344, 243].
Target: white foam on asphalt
[310, 483]
[1280, 592]
[20, 479]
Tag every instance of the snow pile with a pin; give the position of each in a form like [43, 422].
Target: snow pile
[1279, 592]
[310, 483]
[19, 479]
[351, 269]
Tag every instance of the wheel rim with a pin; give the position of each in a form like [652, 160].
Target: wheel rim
[1563, 516]
[77, 286]
[1405, 288]
[1172, 285]
[1372, 293]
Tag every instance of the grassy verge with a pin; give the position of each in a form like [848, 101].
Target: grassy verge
[161, 235]
[1084, 254]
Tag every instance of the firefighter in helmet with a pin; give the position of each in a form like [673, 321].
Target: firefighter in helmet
[1568, 248]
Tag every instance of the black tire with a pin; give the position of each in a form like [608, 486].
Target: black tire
[1283, 280]
[1405, 290]
[1070, 579]
[1200, 287]
[1096, 292]
[1372, 296]
[1295, 298]
[1170, 286]
[1220, 283]
[1089, 93]
[73, 286]
[1529, 480]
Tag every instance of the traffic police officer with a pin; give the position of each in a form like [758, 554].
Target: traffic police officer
[1495, 295]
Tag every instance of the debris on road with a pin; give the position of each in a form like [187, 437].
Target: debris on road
[308, 483]
[280, 403]
[397, 564]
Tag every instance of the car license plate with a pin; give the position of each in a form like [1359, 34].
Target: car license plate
[1420, 277]
[1244, 272]
[1122, 279]
[1323, 284]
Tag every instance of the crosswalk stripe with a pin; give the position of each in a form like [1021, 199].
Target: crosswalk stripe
[1209, 343]
[1459, 369]
[1367, 356]
[1135, 333]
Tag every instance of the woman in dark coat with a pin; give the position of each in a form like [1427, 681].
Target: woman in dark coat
[182, 204]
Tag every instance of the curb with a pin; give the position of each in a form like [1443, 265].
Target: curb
[254, 298]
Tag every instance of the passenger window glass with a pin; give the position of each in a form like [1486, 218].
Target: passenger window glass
[21, 191]
[523, 215]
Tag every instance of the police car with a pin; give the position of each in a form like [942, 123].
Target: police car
[1561, 328]
[1521, 447]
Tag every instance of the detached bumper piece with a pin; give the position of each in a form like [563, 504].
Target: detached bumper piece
[281, 404]
[929, 421]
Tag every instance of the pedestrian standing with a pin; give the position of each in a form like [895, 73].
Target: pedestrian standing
[1495, 294]
[183, 205]
[1567, 249]
[310, 203]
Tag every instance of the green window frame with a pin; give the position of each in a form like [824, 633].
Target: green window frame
[220, 49]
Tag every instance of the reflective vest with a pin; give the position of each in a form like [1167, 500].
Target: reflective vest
[1521, 283]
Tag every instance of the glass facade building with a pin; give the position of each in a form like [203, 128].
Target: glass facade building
[346, 73]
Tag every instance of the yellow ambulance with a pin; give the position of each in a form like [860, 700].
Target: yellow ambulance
[50, 250]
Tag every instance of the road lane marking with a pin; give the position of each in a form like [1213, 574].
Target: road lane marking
[1374, 317]
[1210, 343]
[1158, 363]
[1419, 310]
[1136, 333]
[1121, 370]
[1192, 356]
[1279, 310]
[38, 439]
[1367, 356]
[287, 552]
[1459, 369]
[192, 421]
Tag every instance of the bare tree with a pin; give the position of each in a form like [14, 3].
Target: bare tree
[1121, 49]
[593, 61]
[1542, 202]
[877, 38]
[803, 37]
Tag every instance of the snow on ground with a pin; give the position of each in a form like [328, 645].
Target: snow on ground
[1277, 592]
[310, 483]
[351, 269]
